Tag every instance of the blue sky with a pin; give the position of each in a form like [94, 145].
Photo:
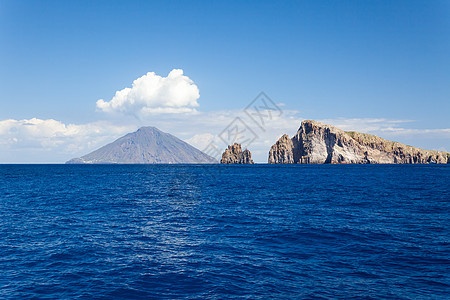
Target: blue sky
[352, 63]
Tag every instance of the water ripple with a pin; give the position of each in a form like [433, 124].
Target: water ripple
[102, 232]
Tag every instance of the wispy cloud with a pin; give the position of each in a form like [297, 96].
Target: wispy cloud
[364, 124]
[210, 125]
[38, 140]
[397, 130]
[411, 131]
[388, 126]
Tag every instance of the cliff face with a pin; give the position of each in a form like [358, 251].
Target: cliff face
[282, 151]
[318, 143]
[235, 155]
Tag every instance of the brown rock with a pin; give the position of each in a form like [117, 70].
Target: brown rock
[282, 151]
[318, 143]
[235, 155]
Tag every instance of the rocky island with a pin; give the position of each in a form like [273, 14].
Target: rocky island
[148, 145]
[318, 143]
[234, 155]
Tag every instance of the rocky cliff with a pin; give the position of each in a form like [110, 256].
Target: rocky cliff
[318, 143]
[282, 151]
[235, 155]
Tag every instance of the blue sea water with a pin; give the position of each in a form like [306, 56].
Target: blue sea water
[219, 232]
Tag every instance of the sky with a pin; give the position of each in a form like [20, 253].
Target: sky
[75, 75]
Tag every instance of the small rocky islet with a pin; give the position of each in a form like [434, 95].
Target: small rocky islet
[234, 155]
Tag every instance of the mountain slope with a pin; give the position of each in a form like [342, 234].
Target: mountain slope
[148, 145]
[318, 143]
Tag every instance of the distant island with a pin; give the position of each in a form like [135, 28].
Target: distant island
[318, 143]
[148, 145]
[234, 155]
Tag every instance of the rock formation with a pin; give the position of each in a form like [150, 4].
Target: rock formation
[318, 143]
[282, 151]
[235, 155]
[148, 145]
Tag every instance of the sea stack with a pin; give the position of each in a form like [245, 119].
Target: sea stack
[282, 151]
[318, 143]
[235, 155]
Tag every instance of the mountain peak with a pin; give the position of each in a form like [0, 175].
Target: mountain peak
[147, 129]
[147, 145]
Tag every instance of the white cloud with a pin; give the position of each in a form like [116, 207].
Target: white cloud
[366, 125]
[208, 126]
[152, 94]
[37, 140]
[201, 141]
[412, 131]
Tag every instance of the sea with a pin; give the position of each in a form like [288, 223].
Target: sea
[224, 232]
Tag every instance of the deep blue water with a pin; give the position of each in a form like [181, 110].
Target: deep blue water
[284, 232]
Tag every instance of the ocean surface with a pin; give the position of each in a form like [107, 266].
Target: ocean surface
[220, 232]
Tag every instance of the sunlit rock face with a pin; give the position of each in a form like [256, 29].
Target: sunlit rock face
[318, 143]
[234, 155]
[282, 152]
